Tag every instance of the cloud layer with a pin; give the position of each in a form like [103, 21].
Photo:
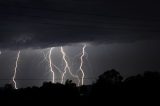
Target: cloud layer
[29, 23]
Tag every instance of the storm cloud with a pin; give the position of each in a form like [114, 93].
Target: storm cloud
[45, 23]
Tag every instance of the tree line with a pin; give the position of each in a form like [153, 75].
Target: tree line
[110, 86]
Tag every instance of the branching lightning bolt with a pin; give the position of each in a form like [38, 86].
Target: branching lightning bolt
[82, 62]
[66, 67]
[50, 64]
[56, 67]
[15, 70]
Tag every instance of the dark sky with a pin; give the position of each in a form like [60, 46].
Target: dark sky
[120, 34]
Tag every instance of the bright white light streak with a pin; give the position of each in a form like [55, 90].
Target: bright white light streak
[15, 70]
[67, 67]
[50, 64]
[82, 62]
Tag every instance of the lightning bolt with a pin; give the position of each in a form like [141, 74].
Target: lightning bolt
[55, 66]
[82, 62]
[67, 67]
[15, 70]
[50, 64]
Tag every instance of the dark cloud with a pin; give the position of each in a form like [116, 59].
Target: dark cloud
[43, 23]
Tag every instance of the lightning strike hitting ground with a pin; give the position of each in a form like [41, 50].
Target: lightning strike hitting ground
[67, 67]
[50, 64]
[15, 70]
[82, 62]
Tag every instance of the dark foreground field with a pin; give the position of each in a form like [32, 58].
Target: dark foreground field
[110, 88]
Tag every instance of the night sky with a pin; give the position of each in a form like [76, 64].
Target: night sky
[123, 35]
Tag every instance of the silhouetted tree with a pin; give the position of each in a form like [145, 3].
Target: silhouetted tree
[108, 84]
[71, 88]
[110, 77]
[69, 83]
